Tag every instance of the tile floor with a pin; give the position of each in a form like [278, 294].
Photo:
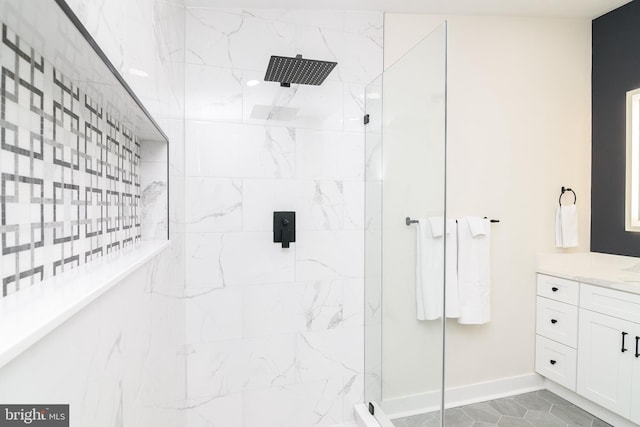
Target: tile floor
[537, 409]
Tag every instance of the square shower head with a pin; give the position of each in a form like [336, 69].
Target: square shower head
[296, 70]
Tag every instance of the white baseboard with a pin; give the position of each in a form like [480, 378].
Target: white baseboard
[457, 396]
[593, 408]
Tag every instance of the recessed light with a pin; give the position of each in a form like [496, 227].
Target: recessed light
[252, 83]
[137, 72]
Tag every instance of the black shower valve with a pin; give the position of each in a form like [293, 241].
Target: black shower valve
[284, 228]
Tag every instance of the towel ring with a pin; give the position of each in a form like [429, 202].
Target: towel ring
[564, 190]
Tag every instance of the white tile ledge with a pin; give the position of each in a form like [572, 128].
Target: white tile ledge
[33, 312]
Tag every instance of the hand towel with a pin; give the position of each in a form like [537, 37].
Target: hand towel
[478, 226]
[437, 226]
[430, 269]
[567, 226]
[474, 271]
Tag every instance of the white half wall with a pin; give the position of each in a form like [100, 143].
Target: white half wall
[115, 362]
[518, 130]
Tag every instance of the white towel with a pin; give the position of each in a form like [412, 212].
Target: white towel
[474, 270]
[567, 226]
[430, 272]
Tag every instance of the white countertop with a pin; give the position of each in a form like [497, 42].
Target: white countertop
[33, 312]
[611, 271]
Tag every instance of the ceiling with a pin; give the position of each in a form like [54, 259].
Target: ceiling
[559, 8]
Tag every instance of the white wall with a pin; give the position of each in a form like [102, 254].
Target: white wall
[518, 130]
[128, 344]
[275, 335]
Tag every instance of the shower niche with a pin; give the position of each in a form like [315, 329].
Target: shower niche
[85, 166]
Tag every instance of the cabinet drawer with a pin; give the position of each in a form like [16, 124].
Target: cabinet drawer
[558, 289]
[557, 321]
[622, 305]
[556, 362]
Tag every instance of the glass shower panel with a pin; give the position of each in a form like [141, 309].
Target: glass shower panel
[405, 177]
[373, 242]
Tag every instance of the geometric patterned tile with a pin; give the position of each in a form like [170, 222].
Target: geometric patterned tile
[69, 171]
[508, 407]
[531, 401]
[536, 409]
[573, 416]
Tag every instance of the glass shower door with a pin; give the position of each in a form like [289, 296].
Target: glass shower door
[405, 177]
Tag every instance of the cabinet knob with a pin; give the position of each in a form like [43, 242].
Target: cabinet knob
[553, 362]
[554, 289]
[554, 321]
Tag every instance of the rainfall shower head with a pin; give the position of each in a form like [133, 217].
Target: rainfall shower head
[296, 70]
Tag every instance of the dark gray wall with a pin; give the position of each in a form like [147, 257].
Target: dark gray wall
[616, 70]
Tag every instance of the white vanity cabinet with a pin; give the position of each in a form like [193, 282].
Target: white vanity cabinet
[588, 341]
[557, 330]
[609, 350]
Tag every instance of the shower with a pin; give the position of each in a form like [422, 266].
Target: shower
[287, 70]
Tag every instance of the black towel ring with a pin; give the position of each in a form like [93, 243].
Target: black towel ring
[564, 190]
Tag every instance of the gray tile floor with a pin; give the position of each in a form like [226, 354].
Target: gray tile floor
[538, 409]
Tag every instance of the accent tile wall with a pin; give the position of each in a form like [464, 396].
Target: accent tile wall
[275, 336]
[70, 183]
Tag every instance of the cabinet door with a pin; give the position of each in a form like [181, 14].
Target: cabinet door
[634, 347]
[604, 370]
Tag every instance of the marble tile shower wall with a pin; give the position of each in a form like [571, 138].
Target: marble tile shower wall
[274, 336]
[149, 35]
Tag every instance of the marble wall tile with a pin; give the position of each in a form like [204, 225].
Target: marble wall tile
[353, 392]
[253, 258]
[154, 216]
[213, 93]
[223, 367]
[105, 361]
[354, 108]
[236, 150]
[213, 315]
[105, 20]
[329, 354]
[354, 205]
[300, 106]
[322, 154]
[204, 269]
[214, 204]
[319, 205]
[353, 303]
[175, 130]
[236, 38]
[216, 411]
[316, 403]
[288, 308]
[329, 255]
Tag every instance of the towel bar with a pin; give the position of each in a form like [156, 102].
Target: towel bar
[410, 221]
